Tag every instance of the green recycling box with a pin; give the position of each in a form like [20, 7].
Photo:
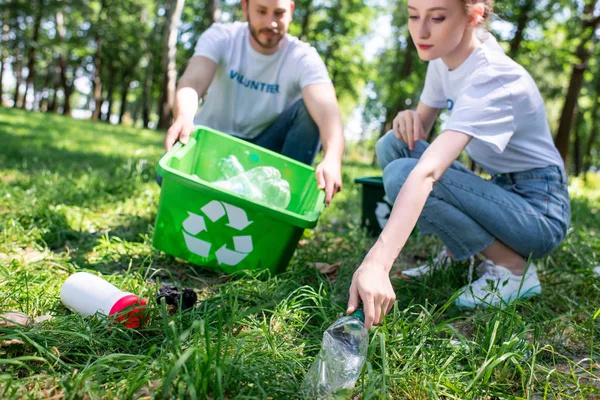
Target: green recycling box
[375, 209]
[218, 229]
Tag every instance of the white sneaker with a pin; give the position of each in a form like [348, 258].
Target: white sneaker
[441, 261]
[498, 285]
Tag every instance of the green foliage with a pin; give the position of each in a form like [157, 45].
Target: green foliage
[543, 36]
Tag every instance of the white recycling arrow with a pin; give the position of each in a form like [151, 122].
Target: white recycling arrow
[237, 217]
[197, 246]
[382, 213]
[242, 244]
[229, 257]
[214, 210]
[194, 224]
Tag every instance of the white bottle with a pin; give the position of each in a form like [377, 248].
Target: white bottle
[88, 294]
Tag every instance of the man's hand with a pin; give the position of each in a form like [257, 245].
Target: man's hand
[329, 177]
[180, 130]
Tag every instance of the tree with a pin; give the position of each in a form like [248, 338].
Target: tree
[587, 39]
[97, 80]
[4, 43]
[173, 12]
[32, 50]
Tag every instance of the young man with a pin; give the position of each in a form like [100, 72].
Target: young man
[266, 87]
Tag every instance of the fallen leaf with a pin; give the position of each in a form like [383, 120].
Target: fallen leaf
[14, 319]
[328, 269]
[18, 318]
[32, 255]
[302, 243]
[6, 343]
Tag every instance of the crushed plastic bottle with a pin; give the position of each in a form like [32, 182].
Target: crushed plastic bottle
[340, 361]
[261, 183]
[230, 166]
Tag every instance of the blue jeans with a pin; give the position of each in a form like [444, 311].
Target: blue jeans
[293, 134]
[528, 211]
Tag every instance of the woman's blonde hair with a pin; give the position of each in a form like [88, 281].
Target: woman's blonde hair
[488, 8]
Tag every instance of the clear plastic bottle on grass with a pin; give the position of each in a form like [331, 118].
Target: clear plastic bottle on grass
[340, 361]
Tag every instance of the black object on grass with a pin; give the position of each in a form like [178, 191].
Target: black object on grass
[173, 296]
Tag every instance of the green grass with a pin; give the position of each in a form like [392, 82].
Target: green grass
[77, 195]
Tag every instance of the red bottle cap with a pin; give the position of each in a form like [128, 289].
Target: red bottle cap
[132, 318]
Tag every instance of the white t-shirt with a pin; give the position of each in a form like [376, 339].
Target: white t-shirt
[493, 99]
[250, 90]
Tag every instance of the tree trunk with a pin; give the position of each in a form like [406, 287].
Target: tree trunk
[213, 12]
[172, 17]
[67, 87]
[62, 70]
[515, 43]
[97, 80]
[589, 25]
[1, 74]
[110, 91]
[3, 52]
[594, 131]
[44, 93]
[124, 93]
[146, 106]
[32, 51]
[577, 142]
[53, 104]
[17, 71]
[3, 49]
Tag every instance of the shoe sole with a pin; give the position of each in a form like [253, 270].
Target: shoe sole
[534, 291]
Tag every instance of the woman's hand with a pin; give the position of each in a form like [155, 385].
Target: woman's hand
[371, 283]
[408, 127]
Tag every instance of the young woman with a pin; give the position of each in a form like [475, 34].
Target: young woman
[497, 115]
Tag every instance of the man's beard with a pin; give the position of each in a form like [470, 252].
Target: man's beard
[274, 42]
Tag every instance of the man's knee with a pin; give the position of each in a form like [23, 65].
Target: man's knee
[395, 174]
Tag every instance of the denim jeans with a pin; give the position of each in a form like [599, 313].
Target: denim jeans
[528, 211]
[293, 134]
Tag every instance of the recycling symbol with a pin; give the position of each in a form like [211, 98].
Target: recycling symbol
[215, 210]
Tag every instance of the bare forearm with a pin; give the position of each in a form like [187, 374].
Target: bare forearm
[331, 130]
[404, 216]
[412, 197]
[186, 102]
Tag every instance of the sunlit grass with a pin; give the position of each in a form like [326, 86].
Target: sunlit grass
[76, 195]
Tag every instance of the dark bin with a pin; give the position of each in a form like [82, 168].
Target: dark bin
[375, 210]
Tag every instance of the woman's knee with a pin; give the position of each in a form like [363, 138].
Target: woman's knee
[387, 149]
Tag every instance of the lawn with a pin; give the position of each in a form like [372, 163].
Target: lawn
[81, 196]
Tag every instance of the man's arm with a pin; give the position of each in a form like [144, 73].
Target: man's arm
[322, 105]
[194, 82]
